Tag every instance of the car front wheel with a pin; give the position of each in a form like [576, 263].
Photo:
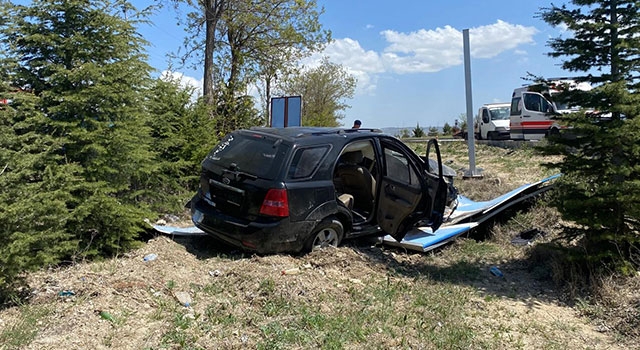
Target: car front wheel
[328, 233]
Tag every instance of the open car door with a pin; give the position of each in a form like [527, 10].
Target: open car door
[408, 190]
[439, 191]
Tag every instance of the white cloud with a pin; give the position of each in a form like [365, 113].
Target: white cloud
[362, 64]
[348, 52]
[490, 41]
[184, 81]
[427, 51]
[368, 26]
[422, 51]
[563, 27]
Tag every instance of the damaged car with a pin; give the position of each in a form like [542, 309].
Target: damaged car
[271, 190]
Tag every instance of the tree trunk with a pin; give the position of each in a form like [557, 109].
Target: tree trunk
[213, 11]
[267, 84]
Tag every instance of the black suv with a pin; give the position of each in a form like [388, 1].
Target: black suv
[270, 190]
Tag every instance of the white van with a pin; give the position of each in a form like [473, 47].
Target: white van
[492, 122]
[533, 111]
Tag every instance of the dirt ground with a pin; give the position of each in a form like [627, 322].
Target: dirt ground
[134, 292]
[129, 303]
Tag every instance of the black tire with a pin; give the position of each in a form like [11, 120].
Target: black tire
[328, 233]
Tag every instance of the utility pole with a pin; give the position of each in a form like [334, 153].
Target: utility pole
[472, 172]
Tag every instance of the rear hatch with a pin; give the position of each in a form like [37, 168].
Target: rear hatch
[240, 170]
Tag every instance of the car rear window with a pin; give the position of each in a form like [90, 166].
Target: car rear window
[254, 154]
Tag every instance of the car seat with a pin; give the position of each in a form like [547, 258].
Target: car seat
[357, 181]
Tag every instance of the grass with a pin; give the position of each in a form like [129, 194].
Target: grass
[355, 296]
[427, 310]
[407, 313]
[32, 320]
[397, 312]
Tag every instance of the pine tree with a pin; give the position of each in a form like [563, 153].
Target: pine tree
[446, 129]
[600, 189]
[86, 67]
[36, 186]
[183, 133]
[418, 132]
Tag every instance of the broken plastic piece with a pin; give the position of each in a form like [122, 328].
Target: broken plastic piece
[150, 257]
[293, 271]
[107, 316]
[184, 298]
[496, 271]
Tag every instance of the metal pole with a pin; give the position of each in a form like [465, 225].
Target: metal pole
[472, 172]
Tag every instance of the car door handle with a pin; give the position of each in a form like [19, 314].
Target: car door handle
[526, 116]
[390, 191]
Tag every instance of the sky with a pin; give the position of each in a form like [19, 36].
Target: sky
[408, 55]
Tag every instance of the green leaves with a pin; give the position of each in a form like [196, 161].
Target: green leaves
[75, 139]
[600, 187]
[324, 89]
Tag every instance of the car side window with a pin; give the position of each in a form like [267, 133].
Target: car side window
[306, 161]
[399, 169]
[533, 102]
[515, 106]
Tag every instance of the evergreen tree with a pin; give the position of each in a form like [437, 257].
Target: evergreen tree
[418, 132]
[36, 190]
[446, 129]
[183, 134]
[600, 189]
[404, 134]
[86, 67]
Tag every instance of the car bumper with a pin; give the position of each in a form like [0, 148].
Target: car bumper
[278, 236]
[502, 134]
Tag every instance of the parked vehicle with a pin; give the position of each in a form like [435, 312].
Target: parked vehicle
[492, 122]
[270, 190]
[534, 108]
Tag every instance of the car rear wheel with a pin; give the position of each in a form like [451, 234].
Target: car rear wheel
[328, 233]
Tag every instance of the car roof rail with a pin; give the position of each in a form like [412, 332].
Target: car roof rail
[344, 131]
[296, 132]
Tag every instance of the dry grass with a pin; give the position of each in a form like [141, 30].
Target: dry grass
[361, 295]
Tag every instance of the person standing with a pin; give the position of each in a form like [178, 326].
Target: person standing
[356, 124]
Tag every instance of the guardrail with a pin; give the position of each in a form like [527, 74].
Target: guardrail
[511, 144]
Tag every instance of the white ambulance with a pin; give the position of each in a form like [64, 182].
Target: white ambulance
[533, 108]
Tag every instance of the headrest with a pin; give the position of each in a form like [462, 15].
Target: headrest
[354, 157]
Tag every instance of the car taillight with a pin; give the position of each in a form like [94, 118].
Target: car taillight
[275, 203]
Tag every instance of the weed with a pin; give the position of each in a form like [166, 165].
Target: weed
[276, 306]
[218, 315]
[267, 286]
[171, 284]
[26, 329]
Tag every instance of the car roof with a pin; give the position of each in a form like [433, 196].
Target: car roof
[304, 135]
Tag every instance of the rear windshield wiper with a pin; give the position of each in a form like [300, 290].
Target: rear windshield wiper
[238, 174]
